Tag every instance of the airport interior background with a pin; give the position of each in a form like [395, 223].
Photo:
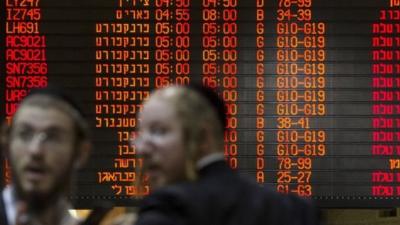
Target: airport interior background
[311, 88]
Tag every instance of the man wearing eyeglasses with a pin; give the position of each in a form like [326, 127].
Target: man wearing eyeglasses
[45, 143]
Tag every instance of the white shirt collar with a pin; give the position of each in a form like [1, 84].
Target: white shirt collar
[208, 159]
[10, 204]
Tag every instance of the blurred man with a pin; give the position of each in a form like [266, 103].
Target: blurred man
[46, 142]
[181, 141]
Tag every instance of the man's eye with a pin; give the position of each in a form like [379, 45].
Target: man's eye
[158, 130]
[53, 136]
[24, 134]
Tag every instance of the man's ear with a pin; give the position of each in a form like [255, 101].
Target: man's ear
[83, 153]
[207, 140]
[4, 138]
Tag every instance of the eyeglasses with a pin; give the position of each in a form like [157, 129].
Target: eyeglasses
[51, 137]
[139, 138]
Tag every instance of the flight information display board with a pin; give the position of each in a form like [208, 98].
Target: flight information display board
[311, 87]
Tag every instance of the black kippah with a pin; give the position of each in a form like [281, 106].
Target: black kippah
[216, 102]
[57, 93]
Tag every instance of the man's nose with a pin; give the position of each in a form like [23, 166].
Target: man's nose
[35, 146]
[143, 144]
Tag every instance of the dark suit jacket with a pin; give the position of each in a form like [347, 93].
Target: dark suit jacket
[3, 215]
[221, 196]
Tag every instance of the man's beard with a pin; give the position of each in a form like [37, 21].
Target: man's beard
[37, 200]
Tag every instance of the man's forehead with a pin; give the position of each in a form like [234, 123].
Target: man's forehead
[162, 97]
[157, 110]
[171, 91]
[42, 117]
[167, 93]
[157, 106]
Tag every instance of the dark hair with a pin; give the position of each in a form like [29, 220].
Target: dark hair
[57, 93]
[212, 97]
